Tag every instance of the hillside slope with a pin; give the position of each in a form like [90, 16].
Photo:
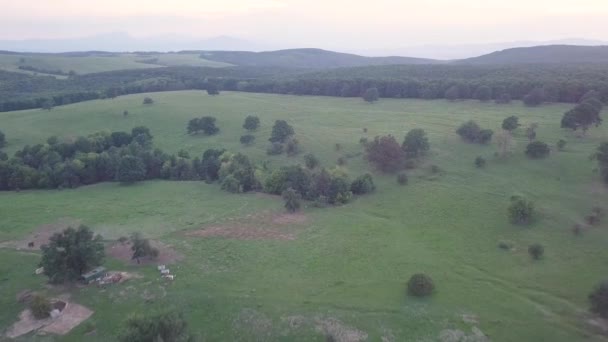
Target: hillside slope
[566, 54]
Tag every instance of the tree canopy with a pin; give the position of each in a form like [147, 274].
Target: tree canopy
[206, 124]
[251, 123]
[281, 131]
[511, 123]
[415, 143]
[71, 253]
[2, 139]
[385, 153]
[371, 95]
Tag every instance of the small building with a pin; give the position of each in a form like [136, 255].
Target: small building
[94, 275]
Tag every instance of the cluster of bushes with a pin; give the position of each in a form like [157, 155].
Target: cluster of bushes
[282, 139]
[471, 132]
[388, 156]
[585, 114]
[205, 124]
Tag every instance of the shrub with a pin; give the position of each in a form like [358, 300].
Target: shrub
[292, 200]
[402, 178]
[183, 154]
[311, 161]
[537, 150]
[599, 299]
[485, 136]
[521, 211]
[363, 185]
[247, 139]
[292, 147]
[505, 245]
[363, 141]
[510, 123]
[420, 285]
[385, 153]
[231, 184]
[205, 124]
[365, 130]
[148, 101]
[338, 146]
[435, 169]
[40, 306]
[480, 162]
[415, 143]
[577, 229]
[561, 144]
[371, 95]
[536, 251]
[469, 131]
[275, 149]
[156, 326]
[341, 161]
[125, 113]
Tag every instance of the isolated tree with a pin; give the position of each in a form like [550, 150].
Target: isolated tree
[2, 139]
[402, 178]
[537, 150]
[420, 285]
[125, 113]
[311, 161]
[583, 116]
[599, 299]
[483, 93]
[469, 131]
[505, 143]
[148, 101]
[510, 124]
[535, 97]
[206, 124]
[561, 144]
[452, 94]
[531, 131]
[484, 136]
[602, 158]
[40, 306]
[141, 247]
[165, 326]
[363, 184]
[251, 123]
[415, 143]
[130, 169]
[536, 251]
[480, 162]
[385, 153]
[247, 139]
[521, 211]
[213, 89]
[292, 200]
[281, 131]
[371, 95]
[71, 253]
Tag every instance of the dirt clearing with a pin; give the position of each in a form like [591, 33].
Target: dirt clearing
[260, 226]
[70, 317]
[166, 254]
[41, 235]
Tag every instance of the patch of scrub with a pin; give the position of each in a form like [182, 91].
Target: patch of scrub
[166, 254]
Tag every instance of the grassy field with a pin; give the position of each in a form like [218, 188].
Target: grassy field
[95, 63]
[347, 267]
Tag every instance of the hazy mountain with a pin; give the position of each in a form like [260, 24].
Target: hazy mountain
[461, 51]
[544, 55]
[305, 58]
[119, 42]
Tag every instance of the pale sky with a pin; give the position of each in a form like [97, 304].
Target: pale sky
[322, 23]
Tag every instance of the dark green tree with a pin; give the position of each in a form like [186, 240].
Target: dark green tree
[212, 89]
[362, 185]
[537, 150]
[602, 158]
[511, 123]
[2, 139]
[480, 162]
[48, 104]
[420, 285]
[130, 169]
[599, 300]
[536, 251]
[469, 131]
[281, 131]
[371, 95]
[561, 144]
[141, 130]
[206, 124]
[535, 97]
[521, 211]
[148, 101]
[311, 161]
[416, 143]
[247, 139]
[71, 253]
[503, 98]
[251, 123]
[165, 326]
[292, 200]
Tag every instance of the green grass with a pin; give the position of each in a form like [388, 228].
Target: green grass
[96, 63]
[349, 262]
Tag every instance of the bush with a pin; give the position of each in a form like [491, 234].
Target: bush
[341, 161]
[484, 136]
[247, 139]
[167, 326]
[402, 178]
[2, 140]
[363, 141]
[415, 143]
[561, 144]
[599, 300]
[536, 251]
[537, 150]
[292, 147]
[385, 153]
[231, 184]
[420, 285]
[338, 147]
[511, 123]
[205, 124]
[40, 307]
[371, 95]
[275, 149]
[292, 200]
[521, 211]
[148, 101]
[505, 245]
[311, 161]
[363, 185]
[480, 162]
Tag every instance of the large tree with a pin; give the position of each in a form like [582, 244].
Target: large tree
[206, 124]
[415, 143]
[371, 95]
[385, 153]
[251, 123]
[71, 253]
[281, 131]
[511, 123]
[583, 115]
[141, 247]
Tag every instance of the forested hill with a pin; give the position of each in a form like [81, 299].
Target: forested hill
[550, 54]
[305, 58]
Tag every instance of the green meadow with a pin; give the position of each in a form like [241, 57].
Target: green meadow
[346, 267]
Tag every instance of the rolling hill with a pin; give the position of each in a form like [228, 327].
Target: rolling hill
[566, 54]
[305, 58]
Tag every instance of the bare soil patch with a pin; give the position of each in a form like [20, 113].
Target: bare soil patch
[282, 219]
[166, 254]
[242, 233]
[339, 331]
[253, 325]
[42, 235]
[71, 316]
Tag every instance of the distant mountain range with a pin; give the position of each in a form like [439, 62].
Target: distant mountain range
[544, 55]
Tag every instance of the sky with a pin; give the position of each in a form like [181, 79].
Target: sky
[338, 24]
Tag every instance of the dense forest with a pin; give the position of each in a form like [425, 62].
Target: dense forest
[550, 83]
